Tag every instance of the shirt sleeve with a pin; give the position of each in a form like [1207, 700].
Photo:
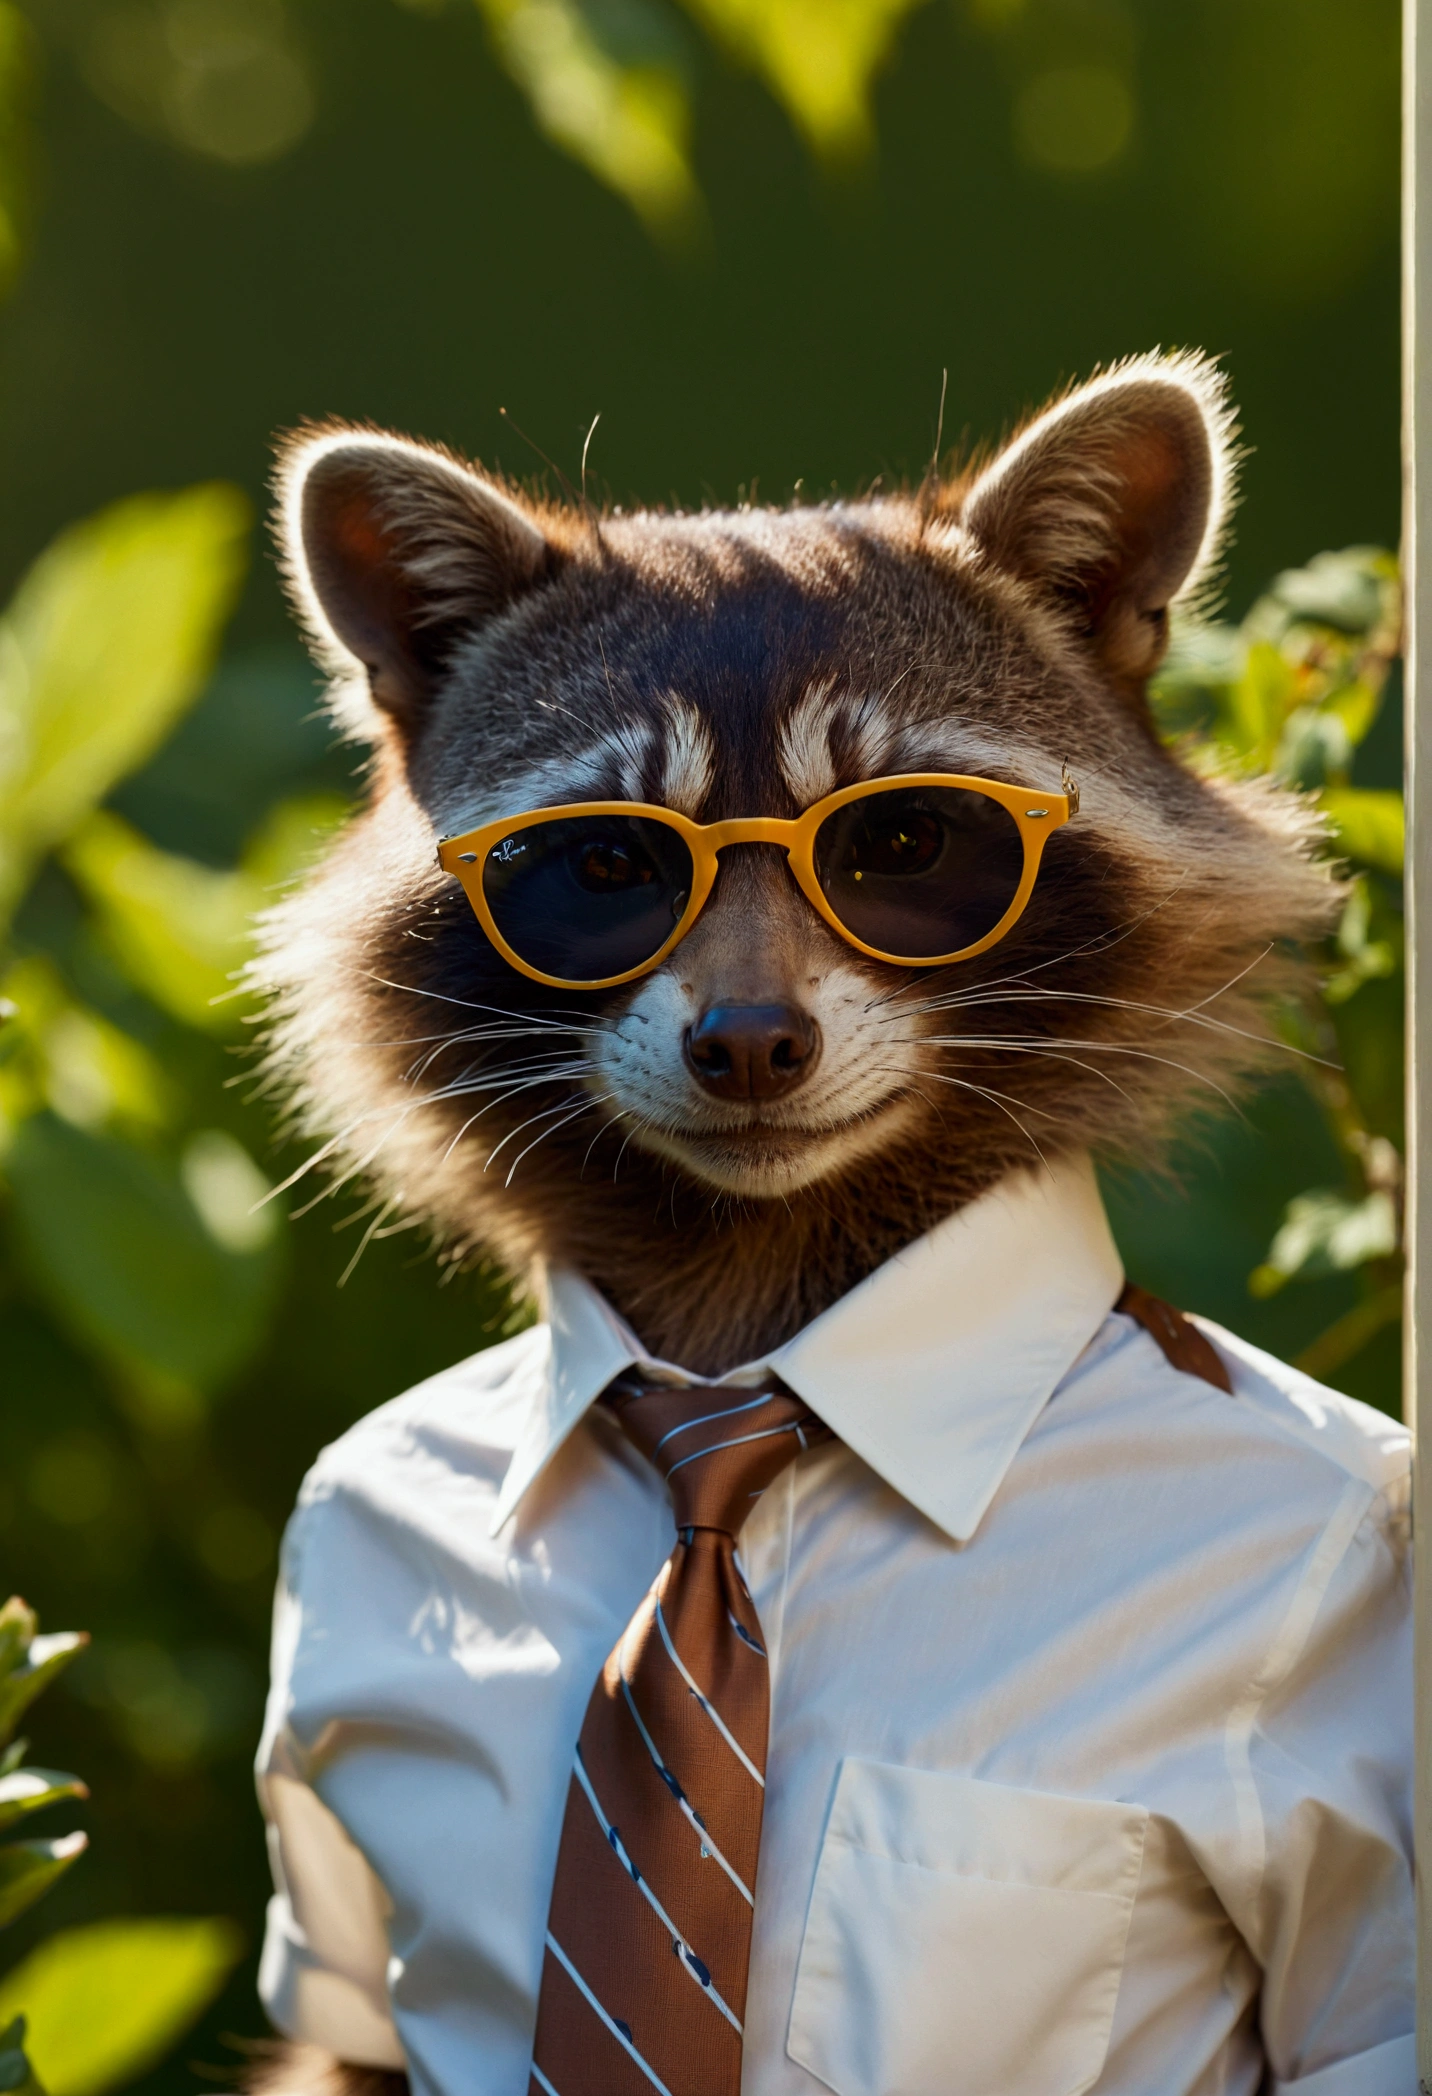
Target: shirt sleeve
[323, 1975]
[1321, 1758]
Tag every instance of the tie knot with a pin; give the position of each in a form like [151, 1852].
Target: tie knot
[717, 1449]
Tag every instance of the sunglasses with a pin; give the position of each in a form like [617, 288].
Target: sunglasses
[917, 870]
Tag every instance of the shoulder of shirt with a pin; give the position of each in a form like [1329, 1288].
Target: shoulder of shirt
[1354, 1438]
[1272, 1399]
[485, 1398]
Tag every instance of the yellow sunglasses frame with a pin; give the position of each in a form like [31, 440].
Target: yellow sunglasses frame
[1036, 814]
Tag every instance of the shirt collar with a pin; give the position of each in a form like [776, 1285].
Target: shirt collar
[933, 1369]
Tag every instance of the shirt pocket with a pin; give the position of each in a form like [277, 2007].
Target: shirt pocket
[963, 1935]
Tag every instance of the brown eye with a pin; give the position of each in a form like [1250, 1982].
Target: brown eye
[603, 867]
[903, 841]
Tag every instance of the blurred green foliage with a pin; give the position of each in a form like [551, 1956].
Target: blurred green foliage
[167, 1375]
[104, 2002]
[28, 1664]
[92, 2005]
[1293, 692]
[766, 227]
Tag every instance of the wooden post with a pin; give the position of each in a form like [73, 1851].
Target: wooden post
[1417, 559]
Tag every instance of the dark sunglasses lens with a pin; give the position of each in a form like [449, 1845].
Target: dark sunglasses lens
[920, 871]
[588, 896]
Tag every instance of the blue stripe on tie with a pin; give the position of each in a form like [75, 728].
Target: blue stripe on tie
[766, 1434]
[708, 1846]
[612, 2025]
[710, 1709]
[541, 2080]
[708, 1418]
[685, 1954]
[743, 1634]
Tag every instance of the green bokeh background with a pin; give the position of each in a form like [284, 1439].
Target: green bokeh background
[421, 256]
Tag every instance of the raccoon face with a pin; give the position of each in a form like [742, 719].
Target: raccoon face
[770, 1094]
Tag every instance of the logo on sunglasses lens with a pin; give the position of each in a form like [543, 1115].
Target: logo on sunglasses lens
[507, 851]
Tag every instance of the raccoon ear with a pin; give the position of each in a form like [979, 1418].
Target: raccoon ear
[394, 553]
[1112, 503]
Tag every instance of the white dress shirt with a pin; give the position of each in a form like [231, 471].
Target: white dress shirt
[1090, 1744]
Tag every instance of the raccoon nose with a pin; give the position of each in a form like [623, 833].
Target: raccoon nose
[751, 1051]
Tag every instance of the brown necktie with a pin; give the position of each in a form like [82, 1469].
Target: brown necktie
[649, 1932]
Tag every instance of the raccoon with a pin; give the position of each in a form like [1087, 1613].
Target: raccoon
[722, 1179]
[728, 1141]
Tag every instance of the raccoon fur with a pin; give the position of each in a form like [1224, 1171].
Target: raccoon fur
[501, 653]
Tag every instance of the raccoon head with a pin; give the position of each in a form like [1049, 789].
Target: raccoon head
[730, 1140]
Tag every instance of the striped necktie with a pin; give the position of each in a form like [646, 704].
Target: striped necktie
[649, 1931]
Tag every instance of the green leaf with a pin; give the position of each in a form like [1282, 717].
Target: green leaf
[109, 637]
[31, 1789]
[18, 1624]
[818, 57]
[30, 1868]
[178, 929]
[181, 930]
[1326, 1233]
[1357, 706]
[1258, 704]
[46, 1657]
[624, 113]
[1347, 590]
[63, 1054]
[107, 2002]
[128, 1260]
[1314, 746]
[1191, 687]
[1369, 825]
[17, 2076]
[289, 838]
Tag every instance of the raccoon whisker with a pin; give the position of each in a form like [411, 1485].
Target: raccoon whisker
[550, 1056]
[1101, 942]
[637, 1124]
[474, 1038]
[556, 706]
[1156, 1011]
[309, 1163]
[502, 1092]
[436, 1042]
[1232, 982]
[498, 1011]
[1194, 1016]
[999, 1099]
[519, 1075]
[1011, 983]
[323, 1151]
[554, 1130]
[892, 687]
[395, 1116]
[939, 1077]
[544, 1114]
[615, 1118]
[365, 1240]
[587, 1106]
[607, 675]
[1038, 1044]
[355, 1215]
[1053, 1055]
[974, 1000]
[466, 1091]
[478, 1033]
[395, 1120]
[496, 1033]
